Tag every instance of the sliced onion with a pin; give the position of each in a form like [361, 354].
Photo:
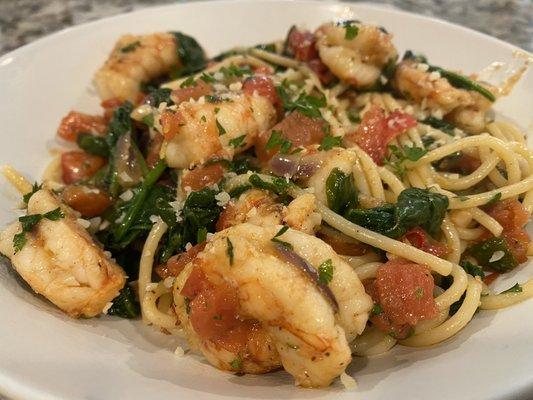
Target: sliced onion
[129, 171]
[282, 165]
[298, 261]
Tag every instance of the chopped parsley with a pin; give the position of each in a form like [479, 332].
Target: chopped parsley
[277, 139]
[325, 272]
[221, 130]
[238, 141]
[276, 238]
[229, 250]
[494, 199]
[235, 71]
[351, 30]
[35, 188]
[514, 289]
[419, 293]
[401, 154]
[329, 142]
[207, 78]
[306, 104]
[376, 310]
[187, 303]
[237, 363]
[278, 185]
[148, 120]
[203, 118]
[28, 222]
[188, 82]
[130, 47]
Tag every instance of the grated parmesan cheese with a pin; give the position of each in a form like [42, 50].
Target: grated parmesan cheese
[348, 382]
[433, 76]
[107, 307]
[103, 225]
[152, 286]
[422, 67]
[154, 218]
[83, 223]
[169, 281]
[179, 351]
[222, 198]
[127, 195]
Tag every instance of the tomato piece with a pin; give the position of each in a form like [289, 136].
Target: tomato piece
[489, 279]
[214, 314]
[76, 122]
[154, 149]
[376, 131]
[298, 129]
[175, 264]
[110, 105]
[421, 240]
[404, 291]
[195, 91]
[512, 216]
[78, 165]
[202, 176]
[263, 86]
[90, 201]
[302, 44]
[171, 122]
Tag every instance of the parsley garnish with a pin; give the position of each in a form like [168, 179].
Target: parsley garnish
[207, 78]
[325, 272]
[278, 185]
[306, 104]
[400, 155]
[376, 310]
[229, 250]
[221, 130]
[351, 30]
[238, 141]
[130, 47]
[237, 363]
[203, 118]
[188, 82]
[329, 142]
[494, 199]
[277, 139]
[514, 289]
[187, 302]
[419, 293]
[149, 120]
[235, 71]
[28, 222]
[35, 188]
[276, 239]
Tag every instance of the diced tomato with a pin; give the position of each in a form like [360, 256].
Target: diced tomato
[202, 176]
[214, 313]
[302, 44]
[404, 292]
[322, 71]
[463, 164]
[297, 128]
[264, 86]
[77, 165]
[90, 201]
[171, 122]
[76, 122]
[376, 131]
[195, 91]
[421, 240]
[110, 105]
[175, 264]
[512, 216]
[489, 279]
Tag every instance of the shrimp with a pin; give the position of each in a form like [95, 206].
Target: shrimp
[465, 108]
[198, 130]
[342, 159]
[357, 61]
[250, 306]
[258, 207]
[135, 59]
[62, 262]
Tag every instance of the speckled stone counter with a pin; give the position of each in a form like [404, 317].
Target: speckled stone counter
[22, 21]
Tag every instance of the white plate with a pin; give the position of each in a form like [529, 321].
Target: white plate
[45, 355]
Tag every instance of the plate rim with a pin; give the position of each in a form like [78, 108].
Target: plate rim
[15, 389]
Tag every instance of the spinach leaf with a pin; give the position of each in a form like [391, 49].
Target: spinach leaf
[120, 123]
[473, 269]
[158, 96]
[190, 54]
[494, 253]
[341, 192]
[200, 211]
[415, 207]
[125, 305]
[440, 124]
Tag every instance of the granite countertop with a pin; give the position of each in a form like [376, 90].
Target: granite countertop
[22, 21]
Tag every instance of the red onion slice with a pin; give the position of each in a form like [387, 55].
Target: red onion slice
[309, 270]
